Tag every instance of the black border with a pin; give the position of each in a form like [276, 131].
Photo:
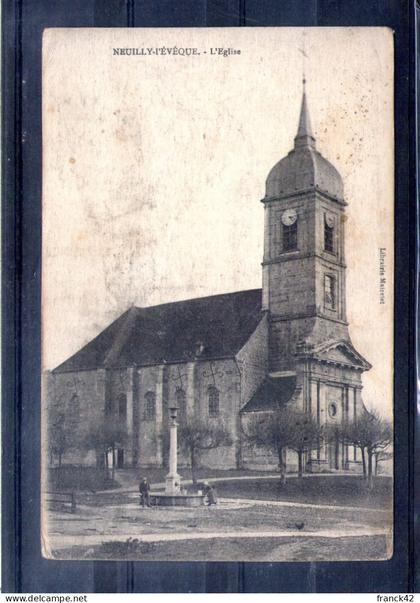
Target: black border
[24, 570]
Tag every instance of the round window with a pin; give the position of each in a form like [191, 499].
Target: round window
[332, 409]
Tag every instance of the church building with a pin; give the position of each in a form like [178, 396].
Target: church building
[224, 358]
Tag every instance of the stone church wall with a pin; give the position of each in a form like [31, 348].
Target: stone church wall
[292, 292]
[252, 361]
[194, 379]
[150, 445]
[152, 435]
[80, 396]
[284, 335]
[224, 375]
[99, 390]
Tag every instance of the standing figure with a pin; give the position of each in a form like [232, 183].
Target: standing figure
[144, 490]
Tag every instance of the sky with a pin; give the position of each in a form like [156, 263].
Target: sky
[154, 167]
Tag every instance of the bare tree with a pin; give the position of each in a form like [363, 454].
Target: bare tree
[305, 436]
[353, 433]
[196, 436]
[372, 435]
[105, 436]
[58, 441]
[273, 430]
[381, 455]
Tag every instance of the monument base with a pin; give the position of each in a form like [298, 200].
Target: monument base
[172, 484]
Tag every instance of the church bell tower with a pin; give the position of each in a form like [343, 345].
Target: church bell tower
[304, 282]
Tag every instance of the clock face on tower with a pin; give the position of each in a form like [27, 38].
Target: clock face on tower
[289, 217]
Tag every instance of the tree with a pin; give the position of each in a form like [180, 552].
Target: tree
[196, 436]
[281, 429]
[372, 435]
[381, 455]
[305, 436]
[105, 436]
[57, 439]
[62, 420]
[353, 433]
[274, 431]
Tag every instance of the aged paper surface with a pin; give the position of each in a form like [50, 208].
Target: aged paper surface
[158, 145]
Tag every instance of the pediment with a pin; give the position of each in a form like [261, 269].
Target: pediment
[341, 353]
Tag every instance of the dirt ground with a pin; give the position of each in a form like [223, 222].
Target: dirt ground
[322, 489]
[243, 549]
[236, 529]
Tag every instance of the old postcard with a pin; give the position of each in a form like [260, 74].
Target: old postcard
[217, 294]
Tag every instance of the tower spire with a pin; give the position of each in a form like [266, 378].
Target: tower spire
[304, 136]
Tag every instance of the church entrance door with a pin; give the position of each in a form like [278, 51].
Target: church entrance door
[120, 458]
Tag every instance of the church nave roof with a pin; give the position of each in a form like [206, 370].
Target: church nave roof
[207, 327]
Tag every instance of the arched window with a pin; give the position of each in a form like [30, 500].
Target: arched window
[329, 238]
[74, 407]
[329, 292]
[122, 407]
[149, 406]
[213, 394]
[181, 402]
[108, 406]
[290, 237]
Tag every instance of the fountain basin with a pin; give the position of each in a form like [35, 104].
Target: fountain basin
[177, 500]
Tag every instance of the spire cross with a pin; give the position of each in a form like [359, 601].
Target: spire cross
[304, 56]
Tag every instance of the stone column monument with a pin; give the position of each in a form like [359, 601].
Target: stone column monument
[173, 479]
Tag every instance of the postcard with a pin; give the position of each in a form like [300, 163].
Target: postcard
[217, 294]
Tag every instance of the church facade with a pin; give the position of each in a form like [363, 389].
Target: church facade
[224, 358]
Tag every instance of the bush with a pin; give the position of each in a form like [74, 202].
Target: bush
[75, 477]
